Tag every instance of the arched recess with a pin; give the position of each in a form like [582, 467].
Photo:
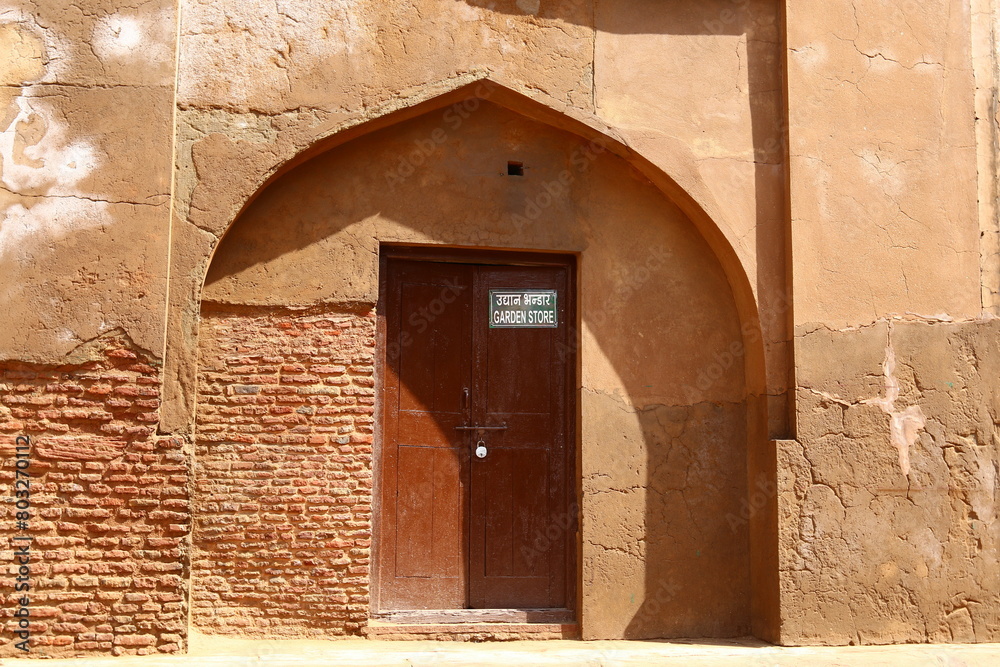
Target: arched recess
[672, 425]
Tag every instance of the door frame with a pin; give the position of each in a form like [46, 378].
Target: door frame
[572, 535]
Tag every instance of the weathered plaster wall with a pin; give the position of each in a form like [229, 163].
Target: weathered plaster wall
[703, 81]
[892, 122]
[88, 147]
[887, 499]
[526, 46]
[86, 92]
[337, 57]
[665, 551]
[883, 160]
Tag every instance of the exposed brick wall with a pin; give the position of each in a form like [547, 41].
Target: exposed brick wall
[109, 515]
[282, 490]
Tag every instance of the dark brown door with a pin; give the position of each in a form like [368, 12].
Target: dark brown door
[458, 529]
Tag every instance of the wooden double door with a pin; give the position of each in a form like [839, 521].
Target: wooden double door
[476, 505]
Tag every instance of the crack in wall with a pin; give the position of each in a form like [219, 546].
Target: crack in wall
[807, 328]
[887, 566]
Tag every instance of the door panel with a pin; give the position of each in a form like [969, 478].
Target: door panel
[520, 488]
[519, 370]
[458, 531]
[430, 504]
[516, 479]
[424, 504]
[433, 368]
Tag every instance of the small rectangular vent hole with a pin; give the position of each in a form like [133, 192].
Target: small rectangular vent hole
[515, 169]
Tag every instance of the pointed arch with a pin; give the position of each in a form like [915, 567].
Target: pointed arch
[215, 216]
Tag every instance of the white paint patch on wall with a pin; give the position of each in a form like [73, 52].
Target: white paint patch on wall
[57, 47]
[52, 165]
[23, 227]
[145, 38]
[467, 12]
[41, 168]
[810, 56]
[117, 36]
[45, 175]
[983, 497]
[881, 171]
[904, 425]
[927, 545]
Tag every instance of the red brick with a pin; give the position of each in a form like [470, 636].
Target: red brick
[274, 475]
[135, 640]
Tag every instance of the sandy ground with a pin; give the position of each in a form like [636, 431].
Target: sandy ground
[209, 651]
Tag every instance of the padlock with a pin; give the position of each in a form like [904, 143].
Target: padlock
[481, 449]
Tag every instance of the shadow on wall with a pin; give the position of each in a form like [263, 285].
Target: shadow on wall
[657, 53]
[654, 17]
[664, 459]
[632, 72]
[682, 569]
[706, 31]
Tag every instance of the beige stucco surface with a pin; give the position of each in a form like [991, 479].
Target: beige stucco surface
[823, 175]
[649, 430]
[881, 115]
[894, 468]
[86, 169]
